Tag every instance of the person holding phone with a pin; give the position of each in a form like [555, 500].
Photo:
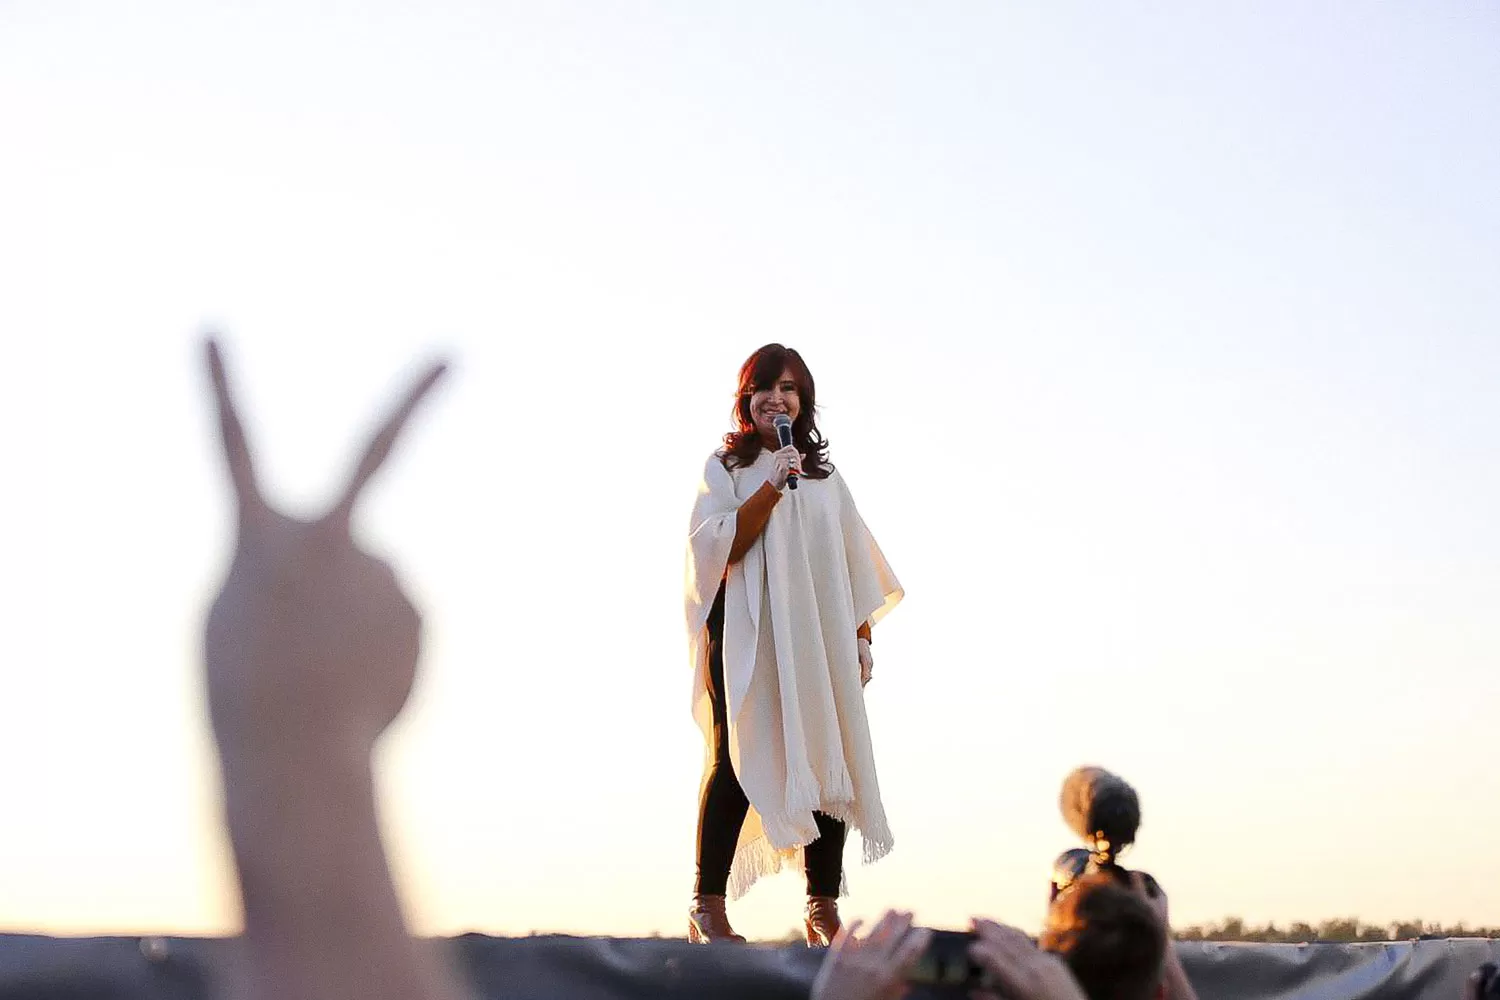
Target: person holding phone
[783, 586]
[990, 962]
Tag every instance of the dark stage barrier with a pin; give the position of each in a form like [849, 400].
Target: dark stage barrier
[44, 968]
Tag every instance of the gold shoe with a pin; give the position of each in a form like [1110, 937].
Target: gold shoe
[707, 921]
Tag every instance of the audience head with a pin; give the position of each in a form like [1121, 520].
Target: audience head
[1109, 936]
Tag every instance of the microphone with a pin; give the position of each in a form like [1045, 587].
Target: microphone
[784, 435]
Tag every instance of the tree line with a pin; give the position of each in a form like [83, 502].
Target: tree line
[1342, 930]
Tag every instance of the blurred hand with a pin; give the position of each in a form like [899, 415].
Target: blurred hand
[310, 651]
[872, 968]
[1021, 970]
[311, 645]
[1175, 983]
[1483, 982]
[866, 661]
[786, 460]
[1155, 896]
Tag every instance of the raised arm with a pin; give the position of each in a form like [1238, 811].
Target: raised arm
[1175, 982]
[751, 520]
[310, 651]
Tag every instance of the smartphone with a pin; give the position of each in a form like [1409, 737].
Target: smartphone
[946, 964]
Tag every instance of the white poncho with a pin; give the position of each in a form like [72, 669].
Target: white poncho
[799, 738]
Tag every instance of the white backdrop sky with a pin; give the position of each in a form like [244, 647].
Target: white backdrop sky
[1159, 343]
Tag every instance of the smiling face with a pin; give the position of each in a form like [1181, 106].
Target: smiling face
[781, 396]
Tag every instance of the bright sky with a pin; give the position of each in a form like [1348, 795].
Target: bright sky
[1158, 343]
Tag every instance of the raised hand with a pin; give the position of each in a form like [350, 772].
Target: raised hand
[1145, 887]
[1018, 968]
[310, 652]
[1175, 983]
[1483, 983]
[311, 646]
[874, 967]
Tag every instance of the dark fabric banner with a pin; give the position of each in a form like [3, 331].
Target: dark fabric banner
[43, 968]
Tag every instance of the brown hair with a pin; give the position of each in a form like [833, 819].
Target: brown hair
[1110, 938]
[742, 446]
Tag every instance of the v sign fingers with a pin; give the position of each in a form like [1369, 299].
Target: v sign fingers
[236, 448]
[311, 645]
[310, 650]
[379, 448]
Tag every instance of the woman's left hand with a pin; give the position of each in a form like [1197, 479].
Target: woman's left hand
[866, 662]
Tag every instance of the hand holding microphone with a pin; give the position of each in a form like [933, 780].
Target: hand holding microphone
[788, 466]
[788, 474]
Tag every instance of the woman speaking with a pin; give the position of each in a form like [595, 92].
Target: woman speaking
[784, 582]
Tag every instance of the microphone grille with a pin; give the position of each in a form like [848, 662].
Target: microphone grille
[781, 420]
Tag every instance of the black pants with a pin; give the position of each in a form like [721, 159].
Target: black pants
[722, 810]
